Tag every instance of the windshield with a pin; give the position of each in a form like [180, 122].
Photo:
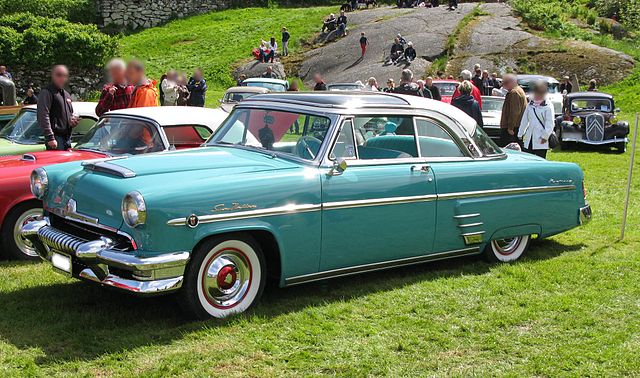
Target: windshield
[527, 85]
[492, 104]
[273, 87]
[289, 133]
[597, 104]
[344, 87]
[446, 89]
[237, 96]
[487, 146]
[122, 136]
[23, 129]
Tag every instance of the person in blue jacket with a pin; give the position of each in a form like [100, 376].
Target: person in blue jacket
[197, 86]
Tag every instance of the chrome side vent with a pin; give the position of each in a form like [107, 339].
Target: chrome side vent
[28, 157]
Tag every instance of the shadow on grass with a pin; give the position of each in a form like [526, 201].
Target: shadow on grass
[79, 320]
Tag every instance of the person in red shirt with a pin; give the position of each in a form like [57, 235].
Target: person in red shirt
[477, 95]
[117, 94]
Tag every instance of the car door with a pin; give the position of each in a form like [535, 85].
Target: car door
[382, 207]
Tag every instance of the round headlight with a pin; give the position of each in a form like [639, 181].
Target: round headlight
[39, 183]
[134, 210]
[577, 120]
[613, 120]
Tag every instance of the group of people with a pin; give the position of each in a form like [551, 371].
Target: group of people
[402, 51]
[267, 51]
[333, 23]
[453, 4]
[176, 90]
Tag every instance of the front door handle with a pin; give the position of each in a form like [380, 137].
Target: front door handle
[420, 168]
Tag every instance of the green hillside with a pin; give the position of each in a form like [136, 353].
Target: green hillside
[217, 41]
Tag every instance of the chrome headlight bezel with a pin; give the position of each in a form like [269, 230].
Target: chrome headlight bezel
[134, 209]
[39, 183]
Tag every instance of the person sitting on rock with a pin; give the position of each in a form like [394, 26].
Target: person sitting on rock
[397, 50]
[268, 50]
[269, 74]
[402, 40]
[410, 53]
[342, 24]
[407, 86]
[330, 24]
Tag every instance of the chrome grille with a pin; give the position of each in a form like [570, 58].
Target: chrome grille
[59, 240]
[82, 231]
[595, 127]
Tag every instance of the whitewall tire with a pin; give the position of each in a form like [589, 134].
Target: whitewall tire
[225, 276]
[507, 250]
[14, 245]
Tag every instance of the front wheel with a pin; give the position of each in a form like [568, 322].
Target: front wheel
[226, 276]
[507, 250]
[14, 245]
[621, 147]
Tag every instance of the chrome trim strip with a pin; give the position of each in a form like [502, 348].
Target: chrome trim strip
[286, 209]
[341, 272]
[509, 191]
[377, 202]
[473, 233]
[133, 286]
[471, 225]
[463, 216]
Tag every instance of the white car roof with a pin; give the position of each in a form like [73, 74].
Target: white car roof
[264, 80]
[177, 115]
[84, 109]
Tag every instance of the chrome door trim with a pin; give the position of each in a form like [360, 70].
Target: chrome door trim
[509, 191]
[280, 210]
[463, 216]
[377, 202]
[341, 272]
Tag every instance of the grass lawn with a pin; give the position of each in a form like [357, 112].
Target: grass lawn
[219, 40]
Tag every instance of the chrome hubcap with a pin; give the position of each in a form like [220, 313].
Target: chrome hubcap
[227, 277]
[24, 245]
[506, 246]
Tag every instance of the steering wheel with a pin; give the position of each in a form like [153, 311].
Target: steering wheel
[304, 144]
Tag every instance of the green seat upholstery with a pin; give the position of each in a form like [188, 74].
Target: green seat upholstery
[391, 146]
[402, 143]
[368, 153]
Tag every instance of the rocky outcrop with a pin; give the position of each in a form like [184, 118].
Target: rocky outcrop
[256, 69]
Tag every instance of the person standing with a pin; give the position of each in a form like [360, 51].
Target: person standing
[364, 42]
[183, 91]
[197, 86]
[467, 103]
[477, 79]
[537, 122]
[391, 84]
[423, 89]
[170, 89]
[593, 85]
[515, 102]
[145, 92]
[117, 94]
[285, 41]
[407, 86]
[55, 111]
[435, 92]
[466, 75]
[320, 84]
[566, 85]
[30, 98]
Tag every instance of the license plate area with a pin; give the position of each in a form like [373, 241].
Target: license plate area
[62, 263]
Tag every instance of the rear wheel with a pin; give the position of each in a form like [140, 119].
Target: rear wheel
[226, 276]
[14, 245]
[507, 250]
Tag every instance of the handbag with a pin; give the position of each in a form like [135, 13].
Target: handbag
[553, 138]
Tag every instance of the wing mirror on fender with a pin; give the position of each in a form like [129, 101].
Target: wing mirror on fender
[339, 166]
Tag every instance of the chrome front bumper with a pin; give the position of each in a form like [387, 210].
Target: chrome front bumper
[585, 215]
[94, 260]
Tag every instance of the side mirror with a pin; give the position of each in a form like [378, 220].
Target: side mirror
[617, 110]
[339, 166]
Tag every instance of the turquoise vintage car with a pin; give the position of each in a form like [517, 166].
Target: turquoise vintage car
[300, 187]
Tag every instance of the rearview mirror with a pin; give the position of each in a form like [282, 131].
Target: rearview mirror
[339, 166]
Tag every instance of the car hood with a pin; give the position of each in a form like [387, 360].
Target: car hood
[10, 148]
[222, 160]
[43, 158]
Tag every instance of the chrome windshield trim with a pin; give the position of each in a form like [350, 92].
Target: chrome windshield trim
[379, 266]
[509, 191]
[378, 202]
[286, 209]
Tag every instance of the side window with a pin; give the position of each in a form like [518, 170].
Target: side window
[385, 137]
[345, 145]
[435, 141]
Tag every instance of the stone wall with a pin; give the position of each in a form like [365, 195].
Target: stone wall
[81, 82]
[137, 14]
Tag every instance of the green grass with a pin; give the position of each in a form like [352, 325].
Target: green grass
[217, 41]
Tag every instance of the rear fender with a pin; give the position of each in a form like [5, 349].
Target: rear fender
[513, 231]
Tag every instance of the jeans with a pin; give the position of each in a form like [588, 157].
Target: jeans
[265, 58]
[285, 48]
[64, 143]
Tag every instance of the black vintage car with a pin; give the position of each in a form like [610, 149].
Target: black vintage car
[590, 118]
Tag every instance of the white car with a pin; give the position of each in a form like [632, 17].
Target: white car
[491, 114]
[556, 98]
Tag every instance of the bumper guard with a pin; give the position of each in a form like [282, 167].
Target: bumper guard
[93, 260]
[585, 214]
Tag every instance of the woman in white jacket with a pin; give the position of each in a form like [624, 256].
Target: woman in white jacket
[537, 122]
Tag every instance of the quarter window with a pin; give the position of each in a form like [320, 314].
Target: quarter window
[435, 141]
[385, 137]
[345, 145]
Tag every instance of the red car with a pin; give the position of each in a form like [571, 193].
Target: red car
[122, 132]
[446, 87]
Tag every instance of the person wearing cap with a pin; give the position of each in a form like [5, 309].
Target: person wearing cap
[410, 53]
[566, 85]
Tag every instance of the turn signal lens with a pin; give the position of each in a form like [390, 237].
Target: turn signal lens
[613, 120]
[577, 120]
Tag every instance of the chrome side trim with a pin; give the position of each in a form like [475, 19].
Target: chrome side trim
[473, 237]
[379, 266]
[463, 216]
[471, 225]
[377, 202]
[286, 209]
[509, 191]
